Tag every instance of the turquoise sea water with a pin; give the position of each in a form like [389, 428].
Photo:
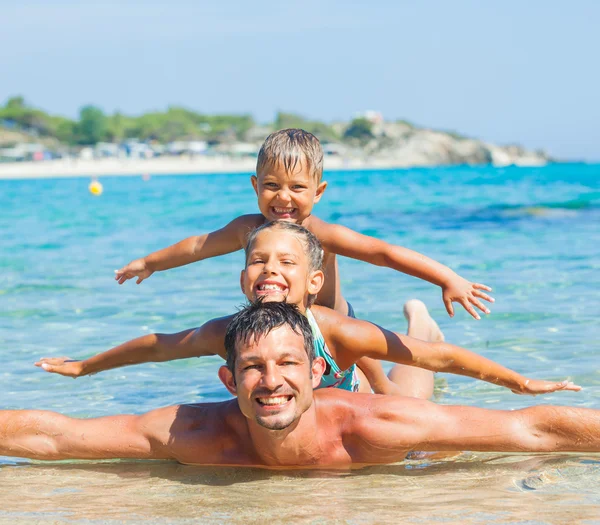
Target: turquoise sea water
[533, 234]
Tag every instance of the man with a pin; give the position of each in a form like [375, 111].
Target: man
[277, 420]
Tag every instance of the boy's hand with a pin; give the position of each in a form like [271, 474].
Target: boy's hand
[533, 387]
[61, 365]
[135, 268]
[461, 291]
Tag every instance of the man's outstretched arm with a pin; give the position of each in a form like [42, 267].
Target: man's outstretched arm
[43, 435]
[399, 425]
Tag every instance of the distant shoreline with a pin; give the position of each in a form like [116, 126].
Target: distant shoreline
[68, 168]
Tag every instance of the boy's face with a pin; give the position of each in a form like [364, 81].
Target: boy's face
[288, 196]
[277, 270]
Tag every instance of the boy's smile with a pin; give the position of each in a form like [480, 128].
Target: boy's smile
[288, 196]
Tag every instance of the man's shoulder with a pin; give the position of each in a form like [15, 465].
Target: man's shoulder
[373, 427]
[198, 432]
[342, 403]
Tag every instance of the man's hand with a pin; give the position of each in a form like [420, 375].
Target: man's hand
[461, 291]
[61, 365]
[533, 387]
[135, 268]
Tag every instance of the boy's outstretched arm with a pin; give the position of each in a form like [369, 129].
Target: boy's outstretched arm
[196, 342]
[226, 240]
[344, 241]
[352, 339]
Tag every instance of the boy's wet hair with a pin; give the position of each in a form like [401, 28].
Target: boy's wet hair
[312, 245]
[291, 147]
[256, 320]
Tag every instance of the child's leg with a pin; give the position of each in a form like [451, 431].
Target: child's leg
[412, 381]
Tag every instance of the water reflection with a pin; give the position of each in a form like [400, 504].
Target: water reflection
[470, 488]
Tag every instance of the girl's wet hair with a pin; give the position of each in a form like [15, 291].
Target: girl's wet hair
[312, 246]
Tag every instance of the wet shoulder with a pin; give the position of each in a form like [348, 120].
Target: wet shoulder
[245, 224]
[209, 433]
[328, 319]
[320, 228]
[341, 407]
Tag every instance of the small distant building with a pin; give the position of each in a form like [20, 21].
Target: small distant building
[243, 149]
[185, 147]
[106, 150]
[334, 149]
[374, 117]
[22, 152]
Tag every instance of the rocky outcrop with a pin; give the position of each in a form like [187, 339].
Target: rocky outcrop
[405, 146]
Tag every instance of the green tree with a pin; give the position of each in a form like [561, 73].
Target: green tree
[321, 130]
[92, 126]
[360, 130]
[15, 102]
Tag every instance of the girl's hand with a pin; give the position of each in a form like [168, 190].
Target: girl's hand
[61, 365]
[534, 387]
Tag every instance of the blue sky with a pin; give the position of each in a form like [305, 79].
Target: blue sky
[504, 71]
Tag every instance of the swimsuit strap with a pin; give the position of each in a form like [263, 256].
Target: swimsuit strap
[333, 376]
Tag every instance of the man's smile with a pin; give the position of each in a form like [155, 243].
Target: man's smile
[274, 401]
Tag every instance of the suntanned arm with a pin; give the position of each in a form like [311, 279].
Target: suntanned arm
[196, 342]
[37, 434]
[344, 241]
[394, 426]
[226, 240]
[350, 339]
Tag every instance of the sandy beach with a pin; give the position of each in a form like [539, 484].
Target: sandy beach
[158, 166]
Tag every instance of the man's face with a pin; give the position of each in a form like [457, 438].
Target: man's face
[277, 269]
[274, 380]
[287, 196]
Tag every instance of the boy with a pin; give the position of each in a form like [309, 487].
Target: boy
[288, 183]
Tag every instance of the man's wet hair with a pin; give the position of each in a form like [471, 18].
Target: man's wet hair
[290, 147]
[312, 245]
[257, 319]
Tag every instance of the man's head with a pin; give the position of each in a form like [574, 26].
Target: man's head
[271, 365]
[283, 263]
[288, 175]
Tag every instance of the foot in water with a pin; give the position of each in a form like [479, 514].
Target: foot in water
[420, 324]
[409, 380]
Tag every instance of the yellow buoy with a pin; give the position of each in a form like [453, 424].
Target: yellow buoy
[95, 188]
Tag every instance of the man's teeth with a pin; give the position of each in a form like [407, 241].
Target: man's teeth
[265, 287]
[283, 210]
[280, 400]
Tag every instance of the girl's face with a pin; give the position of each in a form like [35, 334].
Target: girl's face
[277, 269]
